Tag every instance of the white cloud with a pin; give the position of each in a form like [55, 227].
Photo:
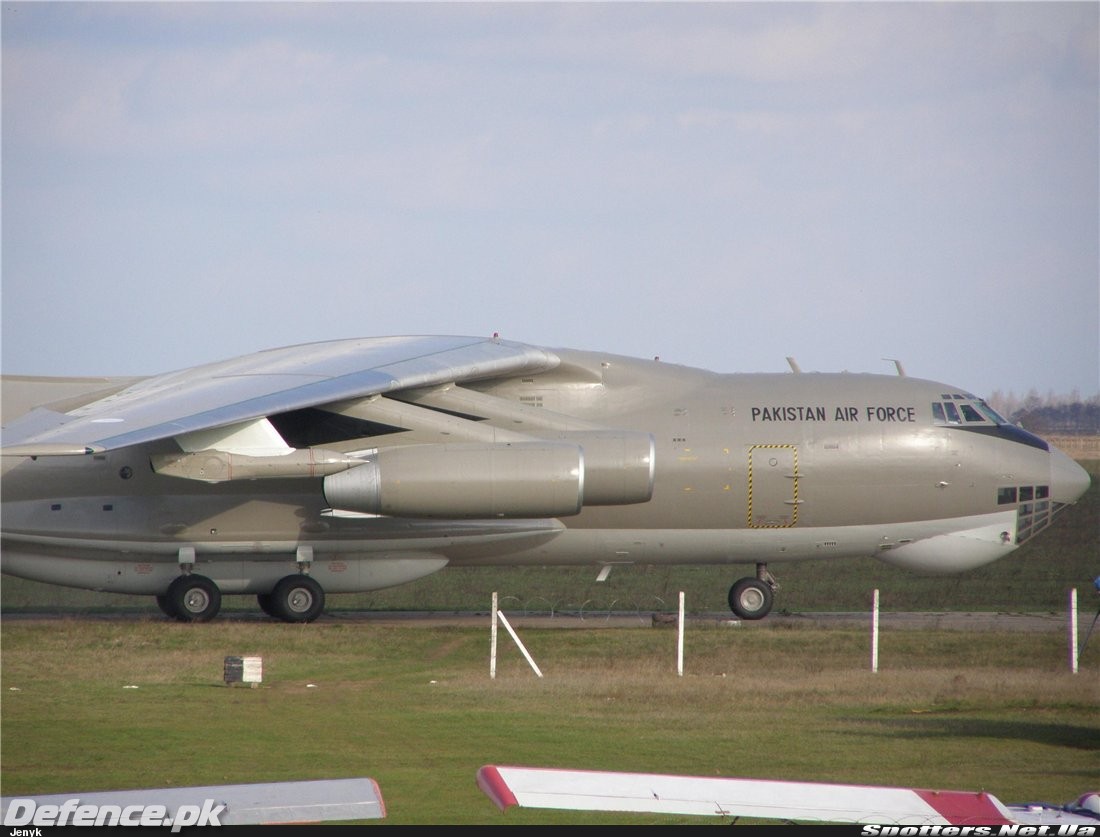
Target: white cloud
[720, 183]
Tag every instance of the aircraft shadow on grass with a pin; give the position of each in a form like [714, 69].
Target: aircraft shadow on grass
[1075, 737]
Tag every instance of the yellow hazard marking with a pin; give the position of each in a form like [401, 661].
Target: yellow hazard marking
[765, 523]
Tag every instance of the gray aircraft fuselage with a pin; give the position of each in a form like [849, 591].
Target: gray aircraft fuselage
[592, 459]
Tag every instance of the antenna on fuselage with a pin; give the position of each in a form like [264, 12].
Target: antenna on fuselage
[897, 365]
[793, 364]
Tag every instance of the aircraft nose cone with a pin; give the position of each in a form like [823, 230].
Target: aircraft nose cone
[1068, 480]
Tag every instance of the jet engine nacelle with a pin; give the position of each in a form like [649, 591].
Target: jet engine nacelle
[618, 465]
[528, 479]
[519, 479]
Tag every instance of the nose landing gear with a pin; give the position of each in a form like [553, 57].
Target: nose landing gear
[752, 598]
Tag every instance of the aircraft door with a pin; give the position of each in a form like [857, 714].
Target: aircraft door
[773, 486]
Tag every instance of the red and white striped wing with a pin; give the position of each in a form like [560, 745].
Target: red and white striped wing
[591, 790]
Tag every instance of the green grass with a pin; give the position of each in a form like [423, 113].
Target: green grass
[416, 709]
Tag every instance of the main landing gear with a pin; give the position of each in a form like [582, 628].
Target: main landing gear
[191, 598]
[196, 598]
[752, 598]
[296, 598]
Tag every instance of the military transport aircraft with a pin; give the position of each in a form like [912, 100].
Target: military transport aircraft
[359, 464]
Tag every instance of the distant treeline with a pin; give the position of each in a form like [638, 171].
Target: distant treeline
[1067, 415]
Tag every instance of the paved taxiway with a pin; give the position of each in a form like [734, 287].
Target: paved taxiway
[938, 620]
[963, 621]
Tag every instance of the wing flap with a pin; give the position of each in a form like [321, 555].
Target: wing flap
[275, 381]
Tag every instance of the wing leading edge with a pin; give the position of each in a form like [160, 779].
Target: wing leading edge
[265, 383]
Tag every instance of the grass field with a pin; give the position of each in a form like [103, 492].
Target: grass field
[98, 702]
[101, 704]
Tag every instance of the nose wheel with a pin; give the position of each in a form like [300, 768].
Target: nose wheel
[752, 598]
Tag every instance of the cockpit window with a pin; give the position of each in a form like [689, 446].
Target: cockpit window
[990, 413]
[967, 412]
[955, 408]
[970, 414]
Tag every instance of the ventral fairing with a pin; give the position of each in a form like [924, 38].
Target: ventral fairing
[355, 465]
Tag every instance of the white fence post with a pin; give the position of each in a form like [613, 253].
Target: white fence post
[1073, 630]
[499, 617]
[680, 638]
[520, 645]
[493, 642]
[874, 632]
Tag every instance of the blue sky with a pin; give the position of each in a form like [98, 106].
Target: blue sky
[718, 184]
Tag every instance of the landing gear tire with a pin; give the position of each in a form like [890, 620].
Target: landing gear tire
[166, 607]
[297, 598]
[192, 598]
[266, 605]
[751, 598]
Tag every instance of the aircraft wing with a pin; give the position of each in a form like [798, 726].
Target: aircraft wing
[591, 790]
[266, 383]
[268, 803]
